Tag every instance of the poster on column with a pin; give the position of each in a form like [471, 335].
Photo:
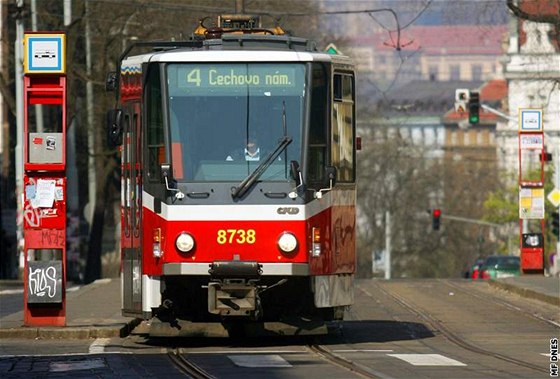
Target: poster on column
[531, 203]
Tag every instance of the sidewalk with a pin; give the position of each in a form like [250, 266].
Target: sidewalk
[92, 311]
[546, 289]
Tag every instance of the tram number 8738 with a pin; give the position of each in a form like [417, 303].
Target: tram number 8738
[239, 236]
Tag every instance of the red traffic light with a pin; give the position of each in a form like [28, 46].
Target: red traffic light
[436, 215]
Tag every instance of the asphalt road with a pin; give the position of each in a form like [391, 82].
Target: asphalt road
[396, 329]
[11, 300]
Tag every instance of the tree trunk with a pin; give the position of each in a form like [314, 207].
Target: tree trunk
[93, 264]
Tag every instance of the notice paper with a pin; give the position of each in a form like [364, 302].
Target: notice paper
[44, 194]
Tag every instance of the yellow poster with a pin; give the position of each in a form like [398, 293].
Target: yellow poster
[531, 203]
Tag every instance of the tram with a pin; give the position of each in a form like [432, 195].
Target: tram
[216, 231]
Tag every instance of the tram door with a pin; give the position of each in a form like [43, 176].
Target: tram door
[132, 213]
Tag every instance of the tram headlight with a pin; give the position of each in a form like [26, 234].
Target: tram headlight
[184, 242]
[287, 242]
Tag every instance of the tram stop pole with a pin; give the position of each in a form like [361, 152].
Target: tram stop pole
[44, 179]
[531, 190]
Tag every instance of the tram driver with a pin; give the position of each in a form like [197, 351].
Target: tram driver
[251, 152]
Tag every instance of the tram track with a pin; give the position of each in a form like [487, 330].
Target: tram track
[176, 356]
[484, 296]
[185, 366]
[450, 335]
[344, 363]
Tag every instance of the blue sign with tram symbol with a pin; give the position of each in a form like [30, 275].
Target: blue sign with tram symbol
[44, 53]
[530, 120]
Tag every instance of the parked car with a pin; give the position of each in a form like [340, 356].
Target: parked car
[474, 271]
[500, 266]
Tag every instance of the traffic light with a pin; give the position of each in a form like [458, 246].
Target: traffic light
[554, 223]
[474, 108]
[547, 157]
[436, 216]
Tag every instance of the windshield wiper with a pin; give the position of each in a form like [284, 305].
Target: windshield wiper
[244, 186]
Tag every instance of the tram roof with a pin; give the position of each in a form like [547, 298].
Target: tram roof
[236, 48]
[189, 55]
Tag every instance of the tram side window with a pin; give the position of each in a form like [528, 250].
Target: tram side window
[318, 125]
[342, 153]
[154, 119]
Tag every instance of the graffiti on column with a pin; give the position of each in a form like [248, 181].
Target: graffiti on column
[44, 282]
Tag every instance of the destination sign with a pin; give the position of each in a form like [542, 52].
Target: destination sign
[206, 76]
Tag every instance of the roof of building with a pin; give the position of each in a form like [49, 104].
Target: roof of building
[422, 97]
[542, 7]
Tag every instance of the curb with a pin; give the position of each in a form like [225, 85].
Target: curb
[526, 292]
[69, 332]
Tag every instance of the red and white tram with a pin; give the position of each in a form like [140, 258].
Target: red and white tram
[212, 233]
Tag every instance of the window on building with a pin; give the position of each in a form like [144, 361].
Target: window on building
[476, 72]
[433, 73]
[454, 72]
[453, 139]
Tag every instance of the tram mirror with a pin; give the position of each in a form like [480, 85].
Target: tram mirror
[111, 81]
[330, 175]
[296, 173]
[165, 170]
[114, 127]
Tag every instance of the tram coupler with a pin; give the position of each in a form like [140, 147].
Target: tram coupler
[237, 298]
[233, 289]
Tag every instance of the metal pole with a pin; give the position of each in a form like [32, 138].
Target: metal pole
[558, 188]
[67, 12]
[38, 108]
[387, 245]
[239, 6]
[18, 48]
[471, 221]
[498, 113]
[92, 182]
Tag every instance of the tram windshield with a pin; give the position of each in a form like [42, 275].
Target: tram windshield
[226, 118]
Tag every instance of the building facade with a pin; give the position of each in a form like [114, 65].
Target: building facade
[532, 69]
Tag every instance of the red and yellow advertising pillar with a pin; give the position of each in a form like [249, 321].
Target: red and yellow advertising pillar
[44, 179]
[531, 190]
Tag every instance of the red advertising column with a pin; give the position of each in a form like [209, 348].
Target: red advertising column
[44, 194]
[531, 190]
